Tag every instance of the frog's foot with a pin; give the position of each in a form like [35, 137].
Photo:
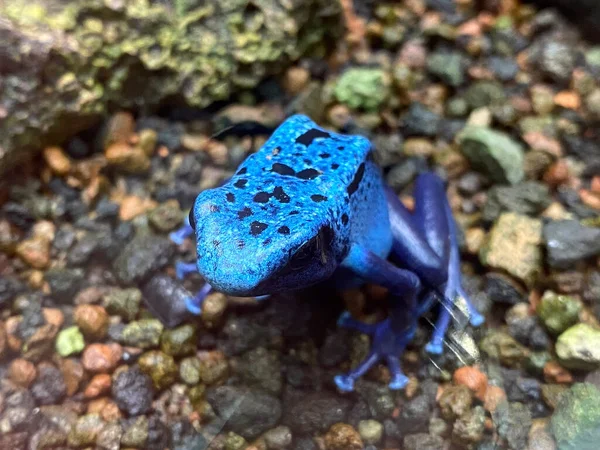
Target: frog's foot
[475, 318]
[182, 269]
[194, 304]
[178, 236]
[387, 345]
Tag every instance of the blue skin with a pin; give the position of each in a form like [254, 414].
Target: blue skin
[311, 205]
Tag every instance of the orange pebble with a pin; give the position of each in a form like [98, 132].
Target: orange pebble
[555, 373]
[474, 379]
[494, 395]
[568, 99]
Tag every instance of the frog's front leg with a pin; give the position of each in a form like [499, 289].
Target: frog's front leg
[390, 337]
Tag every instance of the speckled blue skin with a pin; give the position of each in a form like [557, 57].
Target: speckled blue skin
[311, 205]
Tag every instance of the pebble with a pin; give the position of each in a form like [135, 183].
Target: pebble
[49, 387]
[576, 418]
[132, 391]
[579, 347]
[147, 141]
[92, 320]
[557, 60]
[109, 438]
[65, 283]
[568, 242]
[166, 216]
[123, 302]
[501, 346]
[501, 288]
[558, 312]
[247, 412]
[342, 436]
[513, 246]
[135, 432]
[552, 393]
[73, 373]
[420, 121]
[127, 158]
[160, 367]
[22, 372]
[86, 430]
[362, 88]
[57, 160]
[513, 421]
[316, 412]
[469, 428]
[141, 257]
[555, 373]
[98, 385]
[69, 342]
[493, 153]
[455, 401]
[101, 358]
[370, 431]
[35, 251]
[295, 80]
[278, 438]
[144, 333]
[473, 378]
[262, 368]
[189, 370]
[423, 441]
[494, 396]
[540, 436]
[180, 341]
[527, 198]
[106, 408]
[448, 67]
[166, 298]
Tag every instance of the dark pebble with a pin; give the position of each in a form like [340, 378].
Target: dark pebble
[587, 150]
[262, 368]
[184, 437]
[85, 247]
[9, 288]
[360, 411]
[65, 283]
[78, 148]
[570, 198]
[420, 121]
[19, 215]
[49, 388]
[401, 175]
[158, 434]
[132, 391]
[567, 242]
[106, 209]
[245, 411]
[502, 289]
[305, 443]
[63, 238]
[539, 338]
[414, 416]
[505, 69]
[513, 421]
[14, 441]
[141, 257]
[335, 349]
[165, 297]
[316, 412]
[423, 441]
[528, 197]
[471, 183]
[32, 317]
[62, 189]
[378, 397]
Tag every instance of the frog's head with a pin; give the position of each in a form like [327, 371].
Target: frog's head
[248, 250]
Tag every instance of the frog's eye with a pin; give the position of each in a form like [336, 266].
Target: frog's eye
[192, 219]
[305, 254]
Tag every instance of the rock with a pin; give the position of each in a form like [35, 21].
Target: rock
[34, 251]
[99, 385]
[49, 387]
[503, 289]
[123, 302]
[540, 437]
[504, 68]
[472, 378]
[342, 436]
[141, 257]
[558, 312]
[493, 153]
[500, 346]
[235, 442]
[127, 158]
[160, 367]
[485, 94]
[420, 121]
[22, 372]
[65, 283]
[469, 428]
[92, 320]
[9, 288]
[101, 358]
[135, 433]
[69, 342]
[455, 401]
[579, 347]
[189, 370]
[576, 418]
[214, 367]
[568, 242]
[73, 372]
[448, 67]
[316, 412]
[85, 431]
[528, 198]
[262, 368]
[179, 341]
[552, 393]
[423, 441]
[552, 60]
[79, 94]
[370, 431]
[363, 88]
[415, 414]
[166, 216]
[246, 412]
[166, 298]
[513, 421]
[110, 437]
[513, 245]
[132, 391]
[144, 333]
[279, 438]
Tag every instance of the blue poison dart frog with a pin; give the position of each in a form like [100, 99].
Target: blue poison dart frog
[311, 205]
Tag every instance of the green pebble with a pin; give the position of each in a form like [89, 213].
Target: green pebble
[576, 420]
[362, 88]
[143, 333]
[504, 348]
[69, 342]
[179, 341]
[189, 371]
[160, 367]
[558, 312]
[235, 442]
[579, 347]
[124, 303]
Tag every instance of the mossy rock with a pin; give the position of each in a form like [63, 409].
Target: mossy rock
[68, 64]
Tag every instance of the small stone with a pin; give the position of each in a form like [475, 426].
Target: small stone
[295, 79]
[513, 421]
[555, 373]
[262, 368]
[447, 66]
[552, 393]
[166, 216]
[123, 302]
[363, 88]
[86, 430]
[455, 401]
[143, 333]
[35, 251]
[542, 99]
[135, 433]
[576, 418]
[501, 346]
[148, 139]
[342, 436]
[22, 372]
[557, 60]
[558, 312]
[213, 309]
[423, 441]
[101, 358]
[73, 372]
[142, 256]
[92, 320]
[99, 385]
[132, 391]
[485, 94]
[501, 288]
[69, 342]
[180, 341]
[213, 367]
[568, 242]
[494, 396]
[568, 99]
[57, 160]
[278, 438]
[469, 428]
[592, 103]
[579, 347]
[473, 378]
[420, 121]
[65, 283]
[370, 431]
[540, 436]
[160, 367]
[109, 437]
[418, 147]
[119, 128]
[494, 153]
[108, 410]
[513, 245]
[189, 370]
[49, 387]
[316, 412]
[130, 159]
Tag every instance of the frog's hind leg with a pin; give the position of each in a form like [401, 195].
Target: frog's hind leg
[389, 337]
[433, 211]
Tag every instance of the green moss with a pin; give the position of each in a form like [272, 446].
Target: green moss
[363, 88]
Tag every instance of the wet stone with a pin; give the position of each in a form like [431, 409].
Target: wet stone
[135, 432]
[469, 428]
[423, 441]
[92, 321]
[189, 370]
[69, 342]
[379, 398]
[415, 415]
[513, 423]
[262, 368]
[123, 302]
[575, 420]
[502, 289]
[165, 297]
[558, 312]
[65, 283]
[501, 346]
[579, 347]
[144, 333]
[455, 401]
[161, 368]
[132, 391]
[370, 431]
[247, 412]
[279, 438]
[180, 341]
[141, 257]
[316, 412]
[567, 242]
[342, 436]
[86, 430]
[420, 121]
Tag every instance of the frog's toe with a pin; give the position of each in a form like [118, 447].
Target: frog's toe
[194, 304]
[182, 269]
[178, 236]
[344, 383]
[399, 381]
[344, 319]
[476, 319]
[434, 348]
